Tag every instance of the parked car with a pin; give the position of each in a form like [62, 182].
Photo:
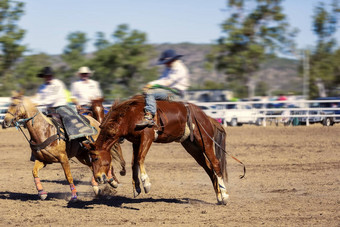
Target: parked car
[212, 111]
[312, 119]
[328, 121]
[238, 114]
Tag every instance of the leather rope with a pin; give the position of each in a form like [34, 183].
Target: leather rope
[227, 152]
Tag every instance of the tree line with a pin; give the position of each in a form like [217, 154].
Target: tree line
[254, 31]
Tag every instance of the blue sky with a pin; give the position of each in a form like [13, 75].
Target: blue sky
[49, 22]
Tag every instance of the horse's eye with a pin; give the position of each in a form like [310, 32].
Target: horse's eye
[95, 159]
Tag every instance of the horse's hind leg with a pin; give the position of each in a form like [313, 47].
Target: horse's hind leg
[196, 152]
[66, 167]
[38, 165]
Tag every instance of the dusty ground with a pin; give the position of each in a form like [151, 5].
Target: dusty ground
[293, 179]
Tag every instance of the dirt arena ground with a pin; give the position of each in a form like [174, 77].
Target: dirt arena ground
[293, 179]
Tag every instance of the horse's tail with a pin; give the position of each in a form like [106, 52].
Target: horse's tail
[220, 147]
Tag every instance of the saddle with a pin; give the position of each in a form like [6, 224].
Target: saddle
[73, 124]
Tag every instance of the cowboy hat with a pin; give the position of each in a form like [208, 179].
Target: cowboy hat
[168, 56]
[46, 71]
[84, 70]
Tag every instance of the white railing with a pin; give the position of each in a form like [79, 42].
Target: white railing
[218, 110]
[301, 110]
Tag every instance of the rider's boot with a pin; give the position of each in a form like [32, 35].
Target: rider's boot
[147, 121]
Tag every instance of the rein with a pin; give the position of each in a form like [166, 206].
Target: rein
[20, 122]
[227, 152]
[35, 147]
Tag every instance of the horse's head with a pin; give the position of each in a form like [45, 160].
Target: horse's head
[15, 111]
[98, 109]
[101, 163]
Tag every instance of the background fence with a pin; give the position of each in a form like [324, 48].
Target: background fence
[305, 112]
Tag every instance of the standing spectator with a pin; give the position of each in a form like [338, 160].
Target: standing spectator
[85, 89]
[173, 81]
[282, 97]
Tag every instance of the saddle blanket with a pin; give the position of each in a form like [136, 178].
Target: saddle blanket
[76, 126]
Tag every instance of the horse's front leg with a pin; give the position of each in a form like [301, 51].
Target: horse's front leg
[146, 141]
[67, 170]
[113, 181]
[135, 171]
[84, 159]
[38, 165]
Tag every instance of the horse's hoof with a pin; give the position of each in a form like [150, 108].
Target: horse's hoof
[224, 200]
[96, 190]
[74, 199]
[42, 195]
[113, 183]
[147, 188]
[136, 192]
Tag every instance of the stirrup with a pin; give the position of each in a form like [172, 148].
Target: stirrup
[146, 122]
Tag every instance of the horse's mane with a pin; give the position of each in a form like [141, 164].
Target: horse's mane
[118, 110]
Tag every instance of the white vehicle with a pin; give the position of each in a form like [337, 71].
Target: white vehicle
[212, 111]
[239, 114]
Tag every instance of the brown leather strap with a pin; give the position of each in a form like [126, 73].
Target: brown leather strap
[48, 141]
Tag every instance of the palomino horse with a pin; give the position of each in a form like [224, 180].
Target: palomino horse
[176, 122]
[44, 135]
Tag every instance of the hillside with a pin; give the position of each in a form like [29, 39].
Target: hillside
[280, 74]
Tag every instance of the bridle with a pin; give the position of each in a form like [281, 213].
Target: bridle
[23, 122]
[19, 122]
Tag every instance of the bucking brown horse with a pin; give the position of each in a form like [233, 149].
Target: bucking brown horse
[45, 143]
[175, 122]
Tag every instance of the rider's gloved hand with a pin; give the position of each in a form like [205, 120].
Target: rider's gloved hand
[146, 88]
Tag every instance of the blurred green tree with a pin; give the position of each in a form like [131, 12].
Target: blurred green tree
[74, 55]
[255, 30]
[10, 37]
[261, 88]
[123, 65]
[323, 66]
[26, 71]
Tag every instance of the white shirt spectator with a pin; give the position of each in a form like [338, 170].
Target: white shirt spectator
[175, 77]
[85, 90]
[51, 94]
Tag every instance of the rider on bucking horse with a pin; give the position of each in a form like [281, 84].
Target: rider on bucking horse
[173, 82]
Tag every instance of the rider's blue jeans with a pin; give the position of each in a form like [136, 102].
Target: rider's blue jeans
[155, 94]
